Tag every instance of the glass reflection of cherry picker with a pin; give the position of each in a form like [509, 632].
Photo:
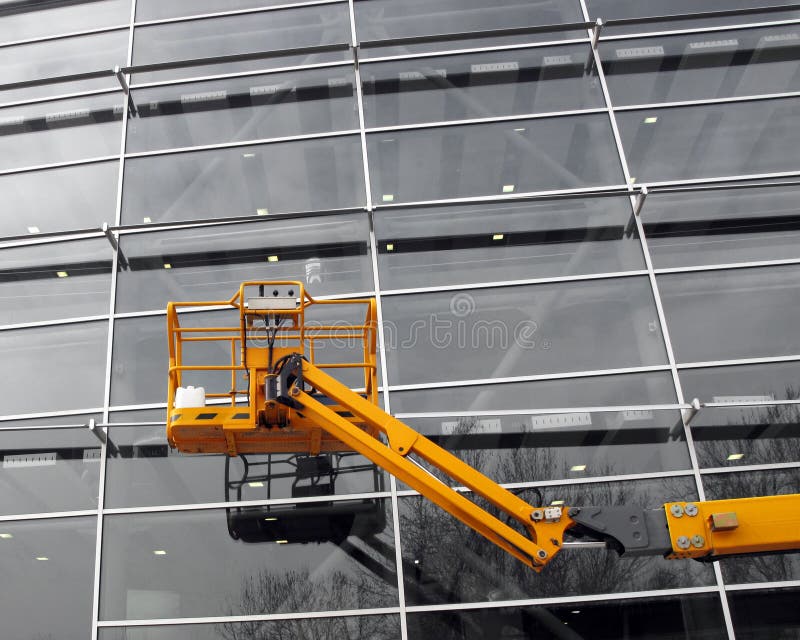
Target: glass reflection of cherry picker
[291, 403]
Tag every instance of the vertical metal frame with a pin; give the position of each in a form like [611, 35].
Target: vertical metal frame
[373, 249]
[637, 202]
[125, 97]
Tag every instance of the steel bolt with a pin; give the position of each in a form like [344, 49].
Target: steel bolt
[691, 509]
[541, 553]
[537, 514]
[698, 541]
[683, 542]
[676, 510]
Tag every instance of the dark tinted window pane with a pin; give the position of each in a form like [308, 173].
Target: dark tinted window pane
[306, 175]
[722, 226]
[140, 359]
[740, 313]
[156, 10]
[507, 157]
[171, 565]
[766, 613]
[349, 628]
[330, 255]
[249, 33]
[597, 391]
[49, 470]
[457, 565]
[60, 131]
[614, 9]
[59, 199]
[711, 140]
[505, 241]
[695, 616]
[577, 326]
[33, 19]
[384, 19]
[76, 276]
[478, 86]
[142, 471]
[784, 566]
[52, 562]
[249, 108]
[61, 57]
[72, 357]
[524, 448]
[702, 65]
[138, 415]
[747, 435]
[760, 382]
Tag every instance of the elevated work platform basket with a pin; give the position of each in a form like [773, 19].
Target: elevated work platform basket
[219, 397]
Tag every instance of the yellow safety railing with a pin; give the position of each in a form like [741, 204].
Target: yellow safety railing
[328, 346]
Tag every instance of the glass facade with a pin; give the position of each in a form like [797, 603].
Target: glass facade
[571, 235]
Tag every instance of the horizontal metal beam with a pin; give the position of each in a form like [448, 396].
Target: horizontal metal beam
[700, 15]
[73, 77]
[236, 57]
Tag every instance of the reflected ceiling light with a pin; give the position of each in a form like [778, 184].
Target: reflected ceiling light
[5, 536]
[33, 229]
[255, 484]
[555, 503]
[167, 265]
[271, 519]
[578, 467]
[281, 541]
[575, 611]
[146, 220]
[651, 120]
[272, 258]
[388, 197]
[508, 188]
[262, 212]
[42, 558]
[520, 129]
[62, 274]
[498, 236]
[248, 155]
[159, 552]
[735, 456]
[416, 561]
[390, 247]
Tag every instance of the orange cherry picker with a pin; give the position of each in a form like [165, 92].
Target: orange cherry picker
[290, 401]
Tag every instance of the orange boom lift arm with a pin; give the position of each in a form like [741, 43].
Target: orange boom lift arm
[291, 404]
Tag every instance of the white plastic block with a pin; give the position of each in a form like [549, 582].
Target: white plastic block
[186, 397]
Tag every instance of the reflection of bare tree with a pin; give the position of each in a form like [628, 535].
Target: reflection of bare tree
[349, 628]
[357, 573]
[502, 465]
[299, 590]
[765, 568]
[769, 437]
[447, 562]
[766, 442]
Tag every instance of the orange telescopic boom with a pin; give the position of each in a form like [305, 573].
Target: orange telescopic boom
[290, 401]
